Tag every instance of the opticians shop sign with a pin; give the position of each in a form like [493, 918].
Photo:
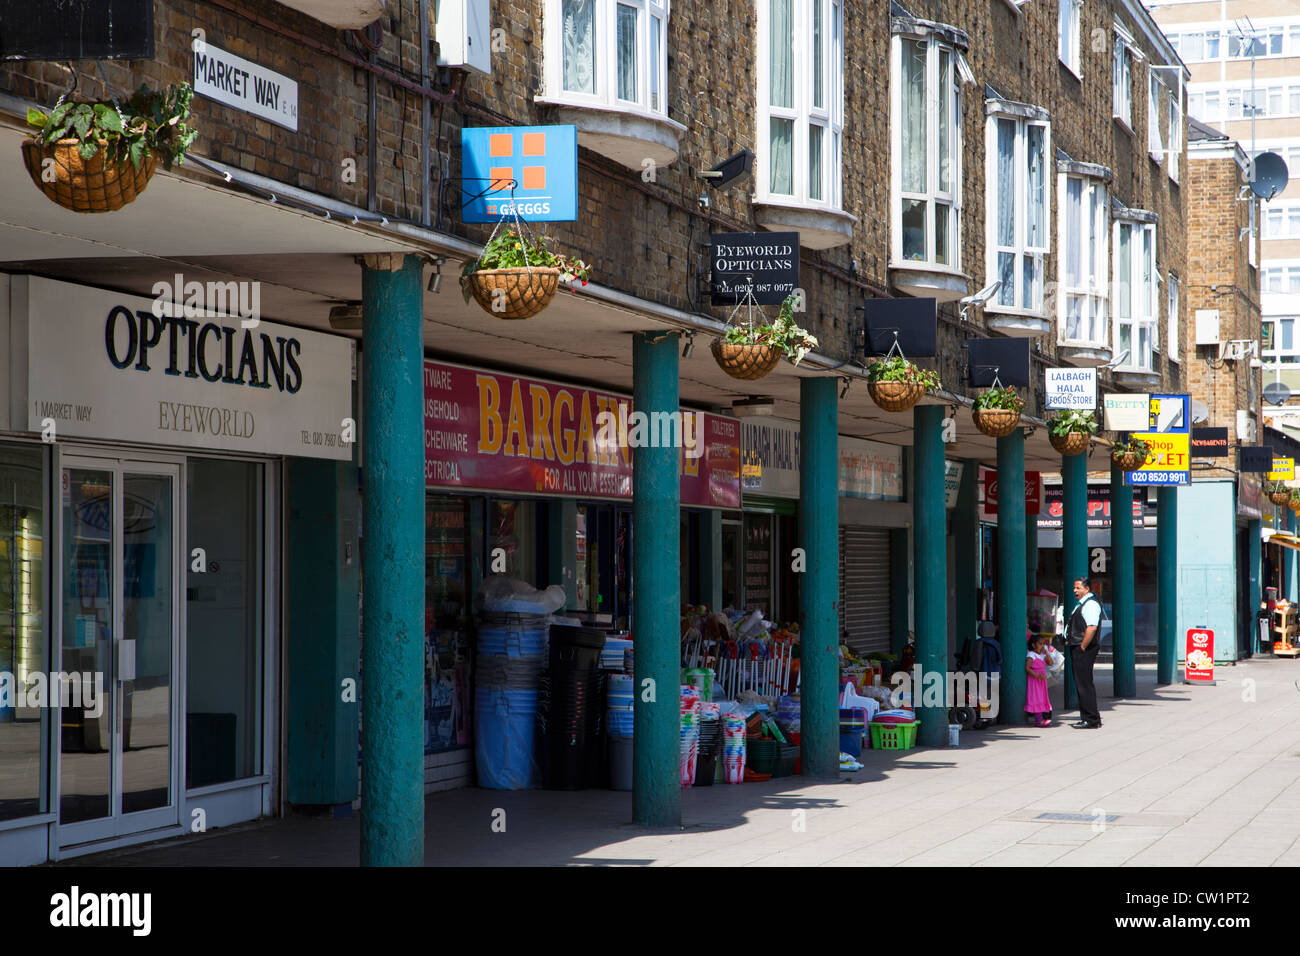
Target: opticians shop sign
[104, 365]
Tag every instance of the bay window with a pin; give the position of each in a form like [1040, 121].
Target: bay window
[1173, 340]
[1155, 142]
[1067, 34]
[1135, 295]
[1122, 77]
[604, 57]
[1082, 301]
[1175, 134]
[801, 103]
[927, 171]
[1018, 144]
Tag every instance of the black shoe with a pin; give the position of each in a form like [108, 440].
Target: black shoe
[1081, 724]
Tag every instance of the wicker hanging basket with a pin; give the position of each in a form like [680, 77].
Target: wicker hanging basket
[1280, 497]
[523, 292]
[1129, 460]
[1294, 505]
[86, 185]
[746, 362]
[895, 396]
[1071, 443]
[997, 422]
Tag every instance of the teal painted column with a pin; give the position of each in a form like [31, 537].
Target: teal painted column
[392, 728]
[900, 606]
[966, 542]
[819, 517]
[1292, 581]
[1074, 547]
[1012, 613]
[1167, 584]
[1123, 638]
[321, 565]
[1254, 593]
[656, 592]
[930, 518]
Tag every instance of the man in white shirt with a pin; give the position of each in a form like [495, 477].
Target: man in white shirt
[1082, 635]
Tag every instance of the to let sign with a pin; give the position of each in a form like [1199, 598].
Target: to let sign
[1198, 665]
[1169, 462]
[1072, 388]
[765, 262]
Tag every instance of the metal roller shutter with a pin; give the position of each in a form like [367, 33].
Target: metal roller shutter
[864, 589]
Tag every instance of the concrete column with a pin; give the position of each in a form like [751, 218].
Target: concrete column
[1012, 616]
[321, 629]
[1167, 584]
[656, 594]
[1254, 590]
[819, 537]
[966, 541]
[930, 566]
[1122, 587]
[1074, 546]
[392, 735]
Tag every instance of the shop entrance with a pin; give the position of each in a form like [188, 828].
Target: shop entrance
[118, 620]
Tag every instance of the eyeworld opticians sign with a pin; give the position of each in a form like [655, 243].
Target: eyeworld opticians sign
[104, 365]
[240, 83]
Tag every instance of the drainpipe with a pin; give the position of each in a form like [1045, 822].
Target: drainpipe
[425, 115]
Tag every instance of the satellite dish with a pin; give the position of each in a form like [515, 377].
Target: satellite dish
[1200, 412]
[1268, 175]
[1276, 393]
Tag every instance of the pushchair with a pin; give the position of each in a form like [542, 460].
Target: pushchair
[981, 654]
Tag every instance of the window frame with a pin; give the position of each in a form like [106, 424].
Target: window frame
[1025, 119]
[1155, 141]
[802, 112]
[1175, 133]
[605, 69]
[1173, 298]
[957, 74]
[1122, 77]
[1094, 231]
[1071, 58]
[1134, 294]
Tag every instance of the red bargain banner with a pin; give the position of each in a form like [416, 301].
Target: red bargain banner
[491, 431]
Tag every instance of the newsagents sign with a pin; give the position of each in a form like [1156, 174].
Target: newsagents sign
[104, 365]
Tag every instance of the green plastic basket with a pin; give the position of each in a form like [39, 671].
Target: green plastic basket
[893, 736]
[761, 755]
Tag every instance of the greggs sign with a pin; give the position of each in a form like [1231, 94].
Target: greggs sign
[492, 431]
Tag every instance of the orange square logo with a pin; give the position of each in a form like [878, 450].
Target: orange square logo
[534, 177]
[501, 177]
[499, 144]
[534, 144]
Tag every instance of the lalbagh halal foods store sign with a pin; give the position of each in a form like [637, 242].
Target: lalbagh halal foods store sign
[154, 371]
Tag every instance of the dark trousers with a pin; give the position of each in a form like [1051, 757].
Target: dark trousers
[1082, 660]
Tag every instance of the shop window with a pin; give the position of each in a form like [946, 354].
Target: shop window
[1136, 282]
[1082, 302]
[732, 564]
[224, 622]
[448, 590]
[758, 563]
[801, 108]
[512, 540]
[1017, 149]
[22, 629]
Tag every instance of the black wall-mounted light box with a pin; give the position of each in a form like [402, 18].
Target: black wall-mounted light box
[913, 320]
[1007, 360]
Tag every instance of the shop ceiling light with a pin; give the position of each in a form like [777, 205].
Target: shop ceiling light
[346, 317]
[754, 405]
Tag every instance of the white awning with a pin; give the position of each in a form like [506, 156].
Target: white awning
[344, 14]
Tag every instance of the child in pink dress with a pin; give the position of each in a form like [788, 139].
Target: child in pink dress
[1036, 700]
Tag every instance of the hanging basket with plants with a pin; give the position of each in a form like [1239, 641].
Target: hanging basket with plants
[1294, 503]
[997, 411]
[749, 351]
[516, 276]
[895, 384]
[97, 157]
[1070, 431]
[1278, 493]
[1130, 454]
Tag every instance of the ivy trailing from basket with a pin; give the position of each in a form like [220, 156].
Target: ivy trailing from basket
[509, 249]
[898, 369]
[1004, 399]
[784, 334]
[151, 123]
[1065, 422]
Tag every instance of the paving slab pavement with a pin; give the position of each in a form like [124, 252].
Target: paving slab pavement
[1179, 776]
